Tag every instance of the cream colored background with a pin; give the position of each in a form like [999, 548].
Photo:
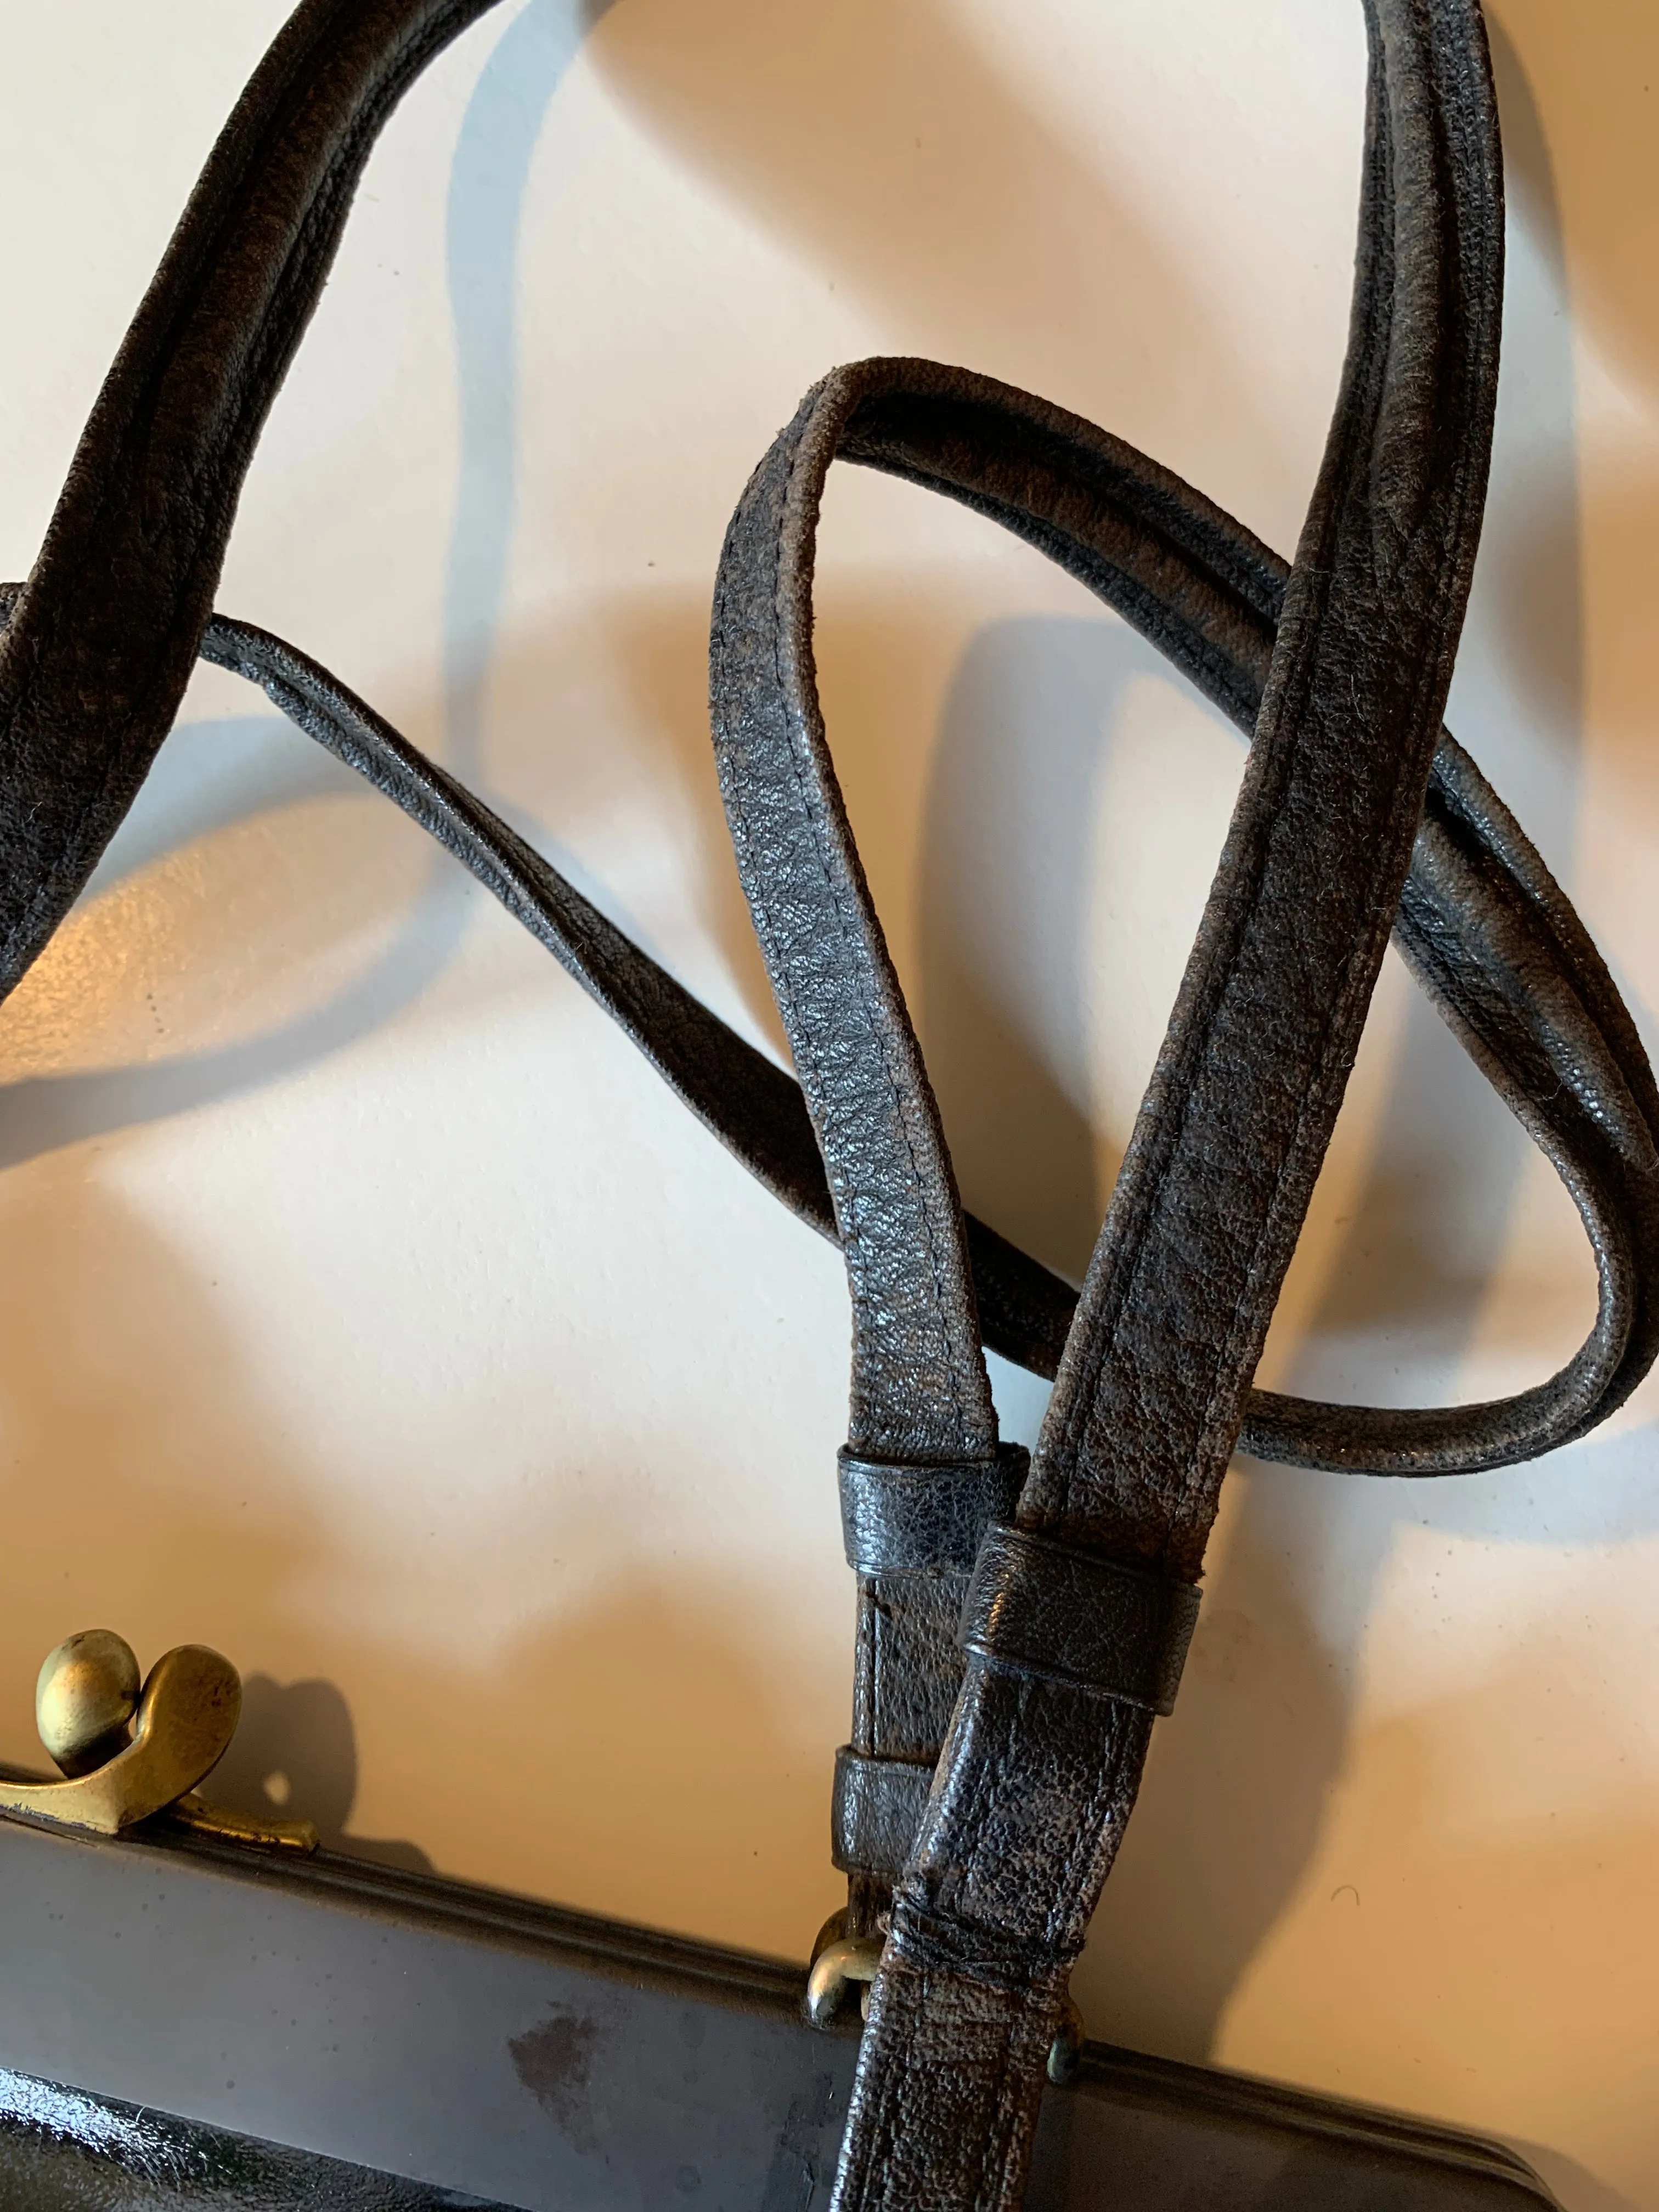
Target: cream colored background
[368, 1309]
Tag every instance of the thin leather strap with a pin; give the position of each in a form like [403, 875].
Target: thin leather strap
[102, 643]
[920, 1403]
[1040, 1772]
[91, 673]
[1482, 921]
[1062, 1615]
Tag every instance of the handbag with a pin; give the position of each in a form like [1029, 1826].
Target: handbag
[200, 2010]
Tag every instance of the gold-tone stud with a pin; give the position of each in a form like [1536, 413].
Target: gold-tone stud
[86, 1698]
[843, 1962]
[1065, 2051]
[128, 1754]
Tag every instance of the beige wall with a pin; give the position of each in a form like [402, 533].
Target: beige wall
[369, 1311]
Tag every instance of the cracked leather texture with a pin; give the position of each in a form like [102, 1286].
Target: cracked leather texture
[1358, 813]
[903, 1520]
[913, 1534]
[875, 1808]
[95, 662]
[1044, 1609]
[1038, 1778]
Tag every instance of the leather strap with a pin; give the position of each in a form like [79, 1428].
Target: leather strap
[1344, 661]
[1041, 1769]
[94, 665]
[921, 1427]
[897, 1521]
[875, 1810]
[1481, 920]
[1060, 1615]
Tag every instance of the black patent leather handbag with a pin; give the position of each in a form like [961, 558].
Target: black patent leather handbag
[196, 2010]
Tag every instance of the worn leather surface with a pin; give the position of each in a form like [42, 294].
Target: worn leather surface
[1481, 920]
[1041, 1769]
[1050, 1611]
[920, 1397]
[900, 1519]
[95, 664]
[875, 1810]
[1358, 813]
[1038, 1778]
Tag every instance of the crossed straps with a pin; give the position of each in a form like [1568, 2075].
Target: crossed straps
[1024, 1623]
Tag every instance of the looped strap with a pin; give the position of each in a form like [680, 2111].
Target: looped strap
[875, 1812]
[1069, 1616]
[921, 1520]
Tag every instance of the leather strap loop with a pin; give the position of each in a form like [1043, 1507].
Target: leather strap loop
[1035, 1783]
[1482, 922]
[1047, 1609]
[875, 1813]
[924, 1520]
[101, 670]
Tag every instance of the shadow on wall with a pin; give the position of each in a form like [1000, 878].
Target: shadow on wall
[1033, 938]
[295, 1756]
[1007, 887]
[142, 1469]
[1596, 71]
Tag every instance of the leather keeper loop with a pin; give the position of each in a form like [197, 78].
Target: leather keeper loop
[1038, 1608]
[876, 1812]
[916, 1519]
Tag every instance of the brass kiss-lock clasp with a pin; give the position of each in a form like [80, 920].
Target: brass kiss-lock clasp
[128, 1755]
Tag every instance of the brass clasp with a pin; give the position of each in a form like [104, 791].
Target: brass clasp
[128, 1755]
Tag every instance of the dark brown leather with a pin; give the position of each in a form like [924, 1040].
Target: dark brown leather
[95, 664]
[1358, 813]
[1481, 920]
[1063, 1615]
[1040, 1768]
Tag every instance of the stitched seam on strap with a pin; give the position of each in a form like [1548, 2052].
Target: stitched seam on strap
[1148, 1204]
[1189, 1477]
